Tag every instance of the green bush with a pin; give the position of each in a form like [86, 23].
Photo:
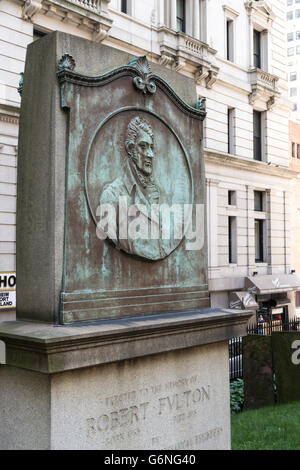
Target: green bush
[236, 395]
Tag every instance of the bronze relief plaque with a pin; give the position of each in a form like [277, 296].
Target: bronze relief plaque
[135, 181]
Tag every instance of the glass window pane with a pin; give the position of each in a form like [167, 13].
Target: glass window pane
[180, 15]
[124, 6]
[258, 201]
[256, 48]
[259, 240]
[257, 142]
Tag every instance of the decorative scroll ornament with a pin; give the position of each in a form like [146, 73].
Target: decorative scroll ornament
[20, 87]
[201, 104]
[143, 81]
[66, 62]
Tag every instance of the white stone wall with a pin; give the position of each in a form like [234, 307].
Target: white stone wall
[293, 61]
[225, 84]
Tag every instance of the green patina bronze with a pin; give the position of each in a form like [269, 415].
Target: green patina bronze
[76, 149]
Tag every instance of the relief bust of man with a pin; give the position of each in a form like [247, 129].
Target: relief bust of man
[136, 197]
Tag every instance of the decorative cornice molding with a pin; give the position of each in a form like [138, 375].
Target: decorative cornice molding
[31, 8]
[143, 82]
[260, 12]
[49, 350]
[92, 15]
[230, 11]
[221, 158]
[66, 62]
[207, 73]
[143, 79]
[9, 114]
[9, 119]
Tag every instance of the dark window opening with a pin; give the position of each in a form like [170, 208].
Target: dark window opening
[38, 34]
[180, 15]
[257, 49]
[229, 40]
[232, 255]
[257, 137]
[124, 6]
[259, 240]
[231, 198]
[258, 201]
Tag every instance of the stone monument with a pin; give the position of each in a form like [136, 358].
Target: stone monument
[115, 345]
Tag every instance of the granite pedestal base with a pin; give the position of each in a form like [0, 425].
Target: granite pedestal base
[159, 382]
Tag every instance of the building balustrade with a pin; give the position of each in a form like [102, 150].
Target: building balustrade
[264, 87]
[92, 14]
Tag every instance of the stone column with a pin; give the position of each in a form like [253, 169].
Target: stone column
[173, 23]
[196, 19]
[161, 20]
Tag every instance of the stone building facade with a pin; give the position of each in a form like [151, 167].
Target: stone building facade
[236, 53]
[294, 137]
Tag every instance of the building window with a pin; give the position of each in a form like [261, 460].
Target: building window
[258, 201]
[298, 50]
[298, 13]
[231, 198]
[290, 51]
[293, 76]
[180, 15]
[257, 49]
[257, 135]
[290, 15]
[259, 240]
[297, 35]
[38, 34]
[230, 130]
[293, 91]
[229, 40]
[295, 106]
[290, 37]
[289, 2]
[124, 6]
[293, 150]
[298, 151]
[232, 245]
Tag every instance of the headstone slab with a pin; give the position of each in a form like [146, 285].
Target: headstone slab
[87, 158]
[286, 357]
[258, 371]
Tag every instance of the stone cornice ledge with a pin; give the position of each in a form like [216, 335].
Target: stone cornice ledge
[245, 163]
[51, 349]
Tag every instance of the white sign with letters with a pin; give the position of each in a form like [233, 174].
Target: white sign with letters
[7, 290]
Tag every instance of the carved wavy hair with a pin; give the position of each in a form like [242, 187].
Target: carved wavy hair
[136, 124]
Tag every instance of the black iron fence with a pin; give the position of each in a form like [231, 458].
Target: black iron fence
[264, 328]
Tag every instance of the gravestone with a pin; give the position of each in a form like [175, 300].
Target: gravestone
[286, 357]
[258, 372]
[114, 327]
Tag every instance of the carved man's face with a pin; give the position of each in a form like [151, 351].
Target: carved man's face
[142, 152]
